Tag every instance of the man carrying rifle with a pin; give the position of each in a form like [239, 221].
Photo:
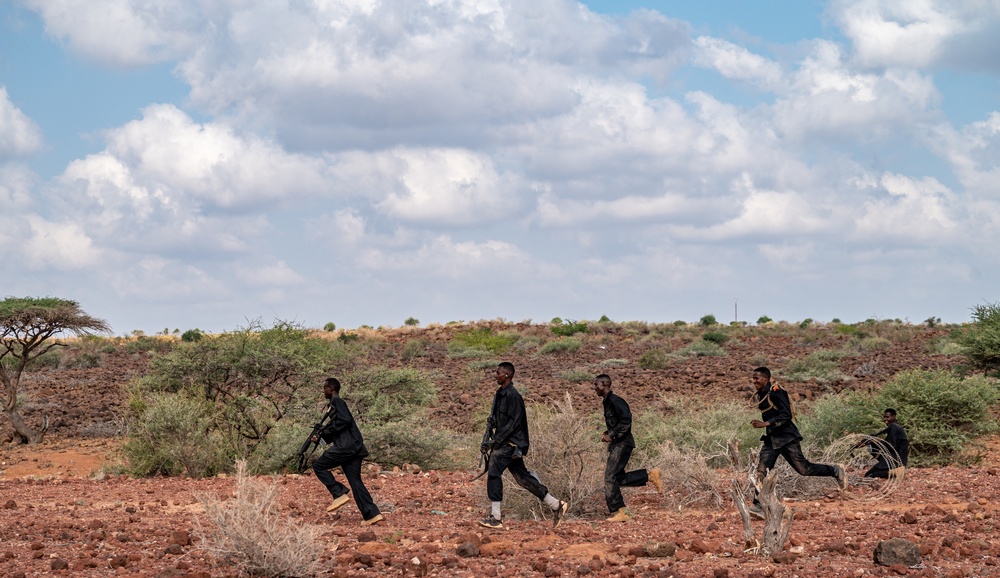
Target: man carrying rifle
[506, 444]
[347, 449]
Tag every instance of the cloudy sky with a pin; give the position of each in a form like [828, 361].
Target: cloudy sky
[206, 163]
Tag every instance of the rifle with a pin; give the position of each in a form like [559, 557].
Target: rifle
[484, 456]
[302, 456]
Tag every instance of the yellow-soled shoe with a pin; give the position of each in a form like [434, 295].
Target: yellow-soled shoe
[337, 502]
[620, 516]
[373, 520]
[657, 480]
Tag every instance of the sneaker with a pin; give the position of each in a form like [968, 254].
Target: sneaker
[337, 503]
[491, 522]
[656, 480]
[373, 520]
[559, 513]
[620, 516]
[841, 474]
[756, 511]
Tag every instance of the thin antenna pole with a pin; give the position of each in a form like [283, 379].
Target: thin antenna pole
[736, 311]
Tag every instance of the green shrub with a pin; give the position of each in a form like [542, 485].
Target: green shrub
[381, 395]
[412, 440]
[604, 319]
[330, 327]
[805, 323]
[763, 319]
[981, 341]
[481, 339]
[833, 416]
[191, 335]
[702, 349]
[707, 321]
[562, 345]
[656, 359]
[942, 412]
[577, 375]
[415, 348]
[680, 323]
[697, 429]
[173, 434]
[569, 328]
[716, 337]
[874, 344]
[817, 367]
[483, 364]
[346, 337]
[411, 322]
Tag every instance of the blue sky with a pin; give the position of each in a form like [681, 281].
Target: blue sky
[206, 164]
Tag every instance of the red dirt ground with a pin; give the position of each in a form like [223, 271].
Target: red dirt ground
[60, 517]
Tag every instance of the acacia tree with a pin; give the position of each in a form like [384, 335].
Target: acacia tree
[26, 325]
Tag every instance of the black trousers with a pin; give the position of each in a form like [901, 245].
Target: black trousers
[615, 476]
[792, 453]
[350, 462]
[879, 470]
[502, 460]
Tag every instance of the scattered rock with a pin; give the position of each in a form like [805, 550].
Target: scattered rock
[467, 550]
[897, 551]
[660, 549]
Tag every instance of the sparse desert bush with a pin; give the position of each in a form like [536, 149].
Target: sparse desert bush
[481, 339]
[192, 335]
[330, 327]
[716, 337]
[981, 341]
[656, 359]
[763, 319]
[818, 368]
[869, 344]
[833, 416]
[411, 322]
[172, 434]
[563, 345]
[412, 440]
[694, 428]
[708, 321]
[380, 395]
[569, 328]
[414, 348]
[702, 349]
[577, 375]
[252, 534]
[614, 362]
[483, 364]
[946, 346]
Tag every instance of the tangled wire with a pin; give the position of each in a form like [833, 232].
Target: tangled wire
[859, 452]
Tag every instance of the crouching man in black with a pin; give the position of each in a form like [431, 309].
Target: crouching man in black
[347, 450]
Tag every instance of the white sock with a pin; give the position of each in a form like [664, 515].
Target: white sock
[495, 510]
[551, 501]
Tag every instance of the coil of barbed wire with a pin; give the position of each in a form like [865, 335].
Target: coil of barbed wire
[858, 453]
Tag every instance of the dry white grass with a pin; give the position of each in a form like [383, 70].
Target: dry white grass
[251, 535]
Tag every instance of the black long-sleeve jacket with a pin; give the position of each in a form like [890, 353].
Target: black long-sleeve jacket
[776, 409]
[895, 436]
[342, 432]
[618, 419]
[509, 419]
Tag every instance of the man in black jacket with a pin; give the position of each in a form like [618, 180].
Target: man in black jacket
[507, 444]
[896, 438]
[347, 450]
[781, 437]
[618, 436]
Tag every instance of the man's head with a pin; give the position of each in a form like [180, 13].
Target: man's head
[889, 416]
[602, 385]
[760, 377]
[505, 372]
[331, 387]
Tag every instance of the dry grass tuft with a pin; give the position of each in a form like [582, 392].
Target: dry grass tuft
[252, 536]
